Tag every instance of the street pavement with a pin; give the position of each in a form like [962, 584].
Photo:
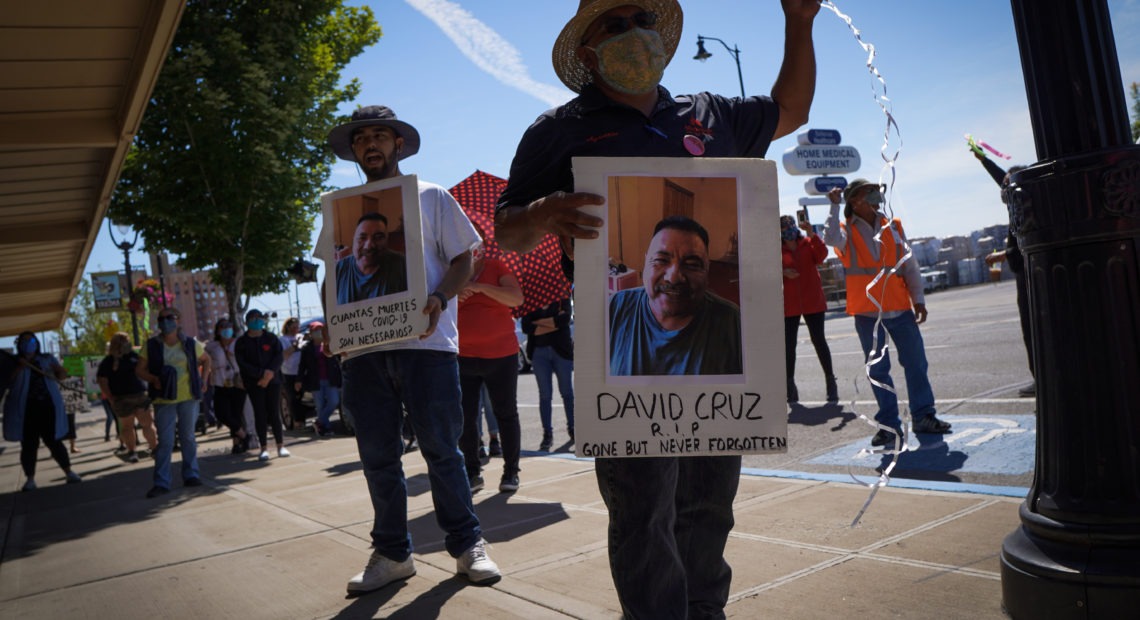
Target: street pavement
[280, 539]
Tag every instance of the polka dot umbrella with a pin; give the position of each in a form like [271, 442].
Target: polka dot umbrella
[539, 271]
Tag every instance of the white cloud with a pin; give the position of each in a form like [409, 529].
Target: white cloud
[487, 50]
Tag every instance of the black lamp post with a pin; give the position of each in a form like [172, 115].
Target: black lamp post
[1076, 215]
[703, 55]
[126, 248]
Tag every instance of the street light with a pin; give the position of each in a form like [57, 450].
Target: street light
[703, 55]
[126, 248]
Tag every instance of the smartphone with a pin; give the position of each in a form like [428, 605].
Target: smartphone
[802, 215]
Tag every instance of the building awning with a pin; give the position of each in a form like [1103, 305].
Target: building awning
[75, 79]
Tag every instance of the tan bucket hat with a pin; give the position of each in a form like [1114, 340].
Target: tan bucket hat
[572, 72]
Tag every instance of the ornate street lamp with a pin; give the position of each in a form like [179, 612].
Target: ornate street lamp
[703, 55]
[126, 248]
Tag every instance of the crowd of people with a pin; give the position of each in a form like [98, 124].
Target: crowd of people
[669, 517]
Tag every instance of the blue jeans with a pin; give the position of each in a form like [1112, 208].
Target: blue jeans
[545, 363]
[327, 398]
[166, 416]
[426, 384]
[669, 521]
[908, 345]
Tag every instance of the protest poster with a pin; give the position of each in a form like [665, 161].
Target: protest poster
[372, 247]
[679, 347]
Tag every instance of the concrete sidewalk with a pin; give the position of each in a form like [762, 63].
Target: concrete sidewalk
[279, 540]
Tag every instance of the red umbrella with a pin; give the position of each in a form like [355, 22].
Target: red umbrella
[539, 271]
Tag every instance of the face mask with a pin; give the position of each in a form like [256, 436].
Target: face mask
[317, 336]
[257, 324]
[167, 326]
[790, 233]
[874, 197]
[227, 332]
[28, 347]
[632, 62]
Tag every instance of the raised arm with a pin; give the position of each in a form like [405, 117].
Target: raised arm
[795, 85]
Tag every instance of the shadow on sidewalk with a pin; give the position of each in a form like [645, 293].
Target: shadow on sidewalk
[815, 416]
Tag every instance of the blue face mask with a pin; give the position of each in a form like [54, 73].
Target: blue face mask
[227, 332]
[790, 233]
[874, 197]
[28, 347]
[167, 326]
[257, 324]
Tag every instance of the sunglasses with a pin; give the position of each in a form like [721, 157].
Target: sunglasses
[617, 25]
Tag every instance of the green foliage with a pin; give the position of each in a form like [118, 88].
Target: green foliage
[1134, 90]
[230, 160]
[91, 325]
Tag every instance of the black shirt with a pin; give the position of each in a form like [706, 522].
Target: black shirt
[256, 355]
[122, 382]
[594, 125]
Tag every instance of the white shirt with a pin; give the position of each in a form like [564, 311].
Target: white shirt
[292, 359]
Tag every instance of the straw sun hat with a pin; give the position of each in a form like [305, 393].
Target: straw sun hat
[572, 72]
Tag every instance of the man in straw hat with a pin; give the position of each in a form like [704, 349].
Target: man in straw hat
[420, 375]
[669, 517]
[897, 299]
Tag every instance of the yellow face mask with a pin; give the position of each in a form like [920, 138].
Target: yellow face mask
[632, 62]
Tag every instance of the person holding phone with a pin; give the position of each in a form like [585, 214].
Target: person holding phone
[802, 252]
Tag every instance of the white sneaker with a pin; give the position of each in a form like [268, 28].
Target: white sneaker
[480, 569]
[264, 456]
[283, 452]
[379, 572]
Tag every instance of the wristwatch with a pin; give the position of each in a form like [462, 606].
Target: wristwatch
[442, 299]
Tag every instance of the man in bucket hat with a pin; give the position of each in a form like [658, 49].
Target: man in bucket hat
[897, 299]
[420, 375]
[669, 517]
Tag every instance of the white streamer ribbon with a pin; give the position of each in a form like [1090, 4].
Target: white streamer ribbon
[889, 156]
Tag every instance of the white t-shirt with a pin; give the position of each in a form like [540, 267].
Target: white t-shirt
[292, 363]
[447, 233]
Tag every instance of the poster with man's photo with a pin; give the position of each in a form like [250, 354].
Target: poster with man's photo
[679, 347]
[372, 247]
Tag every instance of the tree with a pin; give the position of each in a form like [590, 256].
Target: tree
[231, 156]
[84, 332]
[1134, 90]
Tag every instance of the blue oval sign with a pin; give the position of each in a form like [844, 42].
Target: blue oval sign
[819, 136]
[821, 185]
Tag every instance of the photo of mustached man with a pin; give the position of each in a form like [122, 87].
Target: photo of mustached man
[673, 325]
[372, 270]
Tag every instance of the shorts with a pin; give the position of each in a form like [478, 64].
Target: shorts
[130, 404]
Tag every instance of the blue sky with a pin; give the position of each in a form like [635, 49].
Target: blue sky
[471, 75]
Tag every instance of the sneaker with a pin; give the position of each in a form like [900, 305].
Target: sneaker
[479, 568]
[883, 438]
[30, 485]
[509, 483]
[931, 424]
[1028, 391]
[192, 482]
[73, 477]
[482, 452]
[156, 491]
[132, 457]
[476, 483]
[495, 449]
[283, 452]
[379, 572]
[547, 441]
[411, 446]
[264, 456]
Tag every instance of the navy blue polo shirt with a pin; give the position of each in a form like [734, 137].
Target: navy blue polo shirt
[593, 125]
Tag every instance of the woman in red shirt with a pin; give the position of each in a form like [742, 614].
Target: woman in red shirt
[488, 355]
[803, 296]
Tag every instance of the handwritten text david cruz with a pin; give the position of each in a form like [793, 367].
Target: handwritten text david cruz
[672, 407]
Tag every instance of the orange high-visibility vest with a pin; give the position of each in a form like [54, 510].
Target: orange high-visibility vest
[861, 268]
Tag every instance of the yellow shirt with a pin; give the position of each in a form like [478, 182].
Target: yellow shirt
[174, 355]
